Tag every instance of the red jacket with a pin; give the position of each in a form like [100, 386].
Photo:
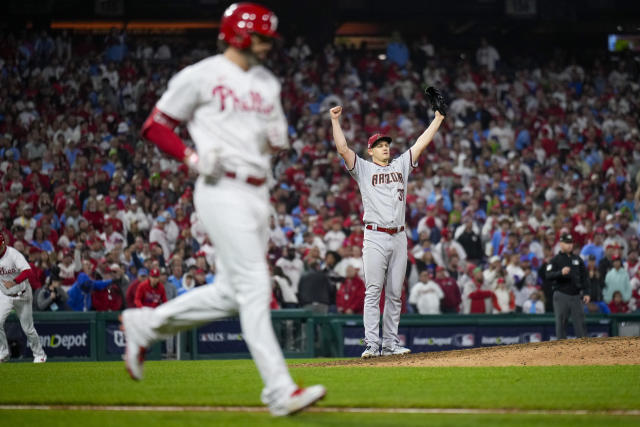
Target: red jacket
[451, 290]
[351, 296]
[130, 297]
[478, 301]
[107, 299]
[148, 296]
[621, 307]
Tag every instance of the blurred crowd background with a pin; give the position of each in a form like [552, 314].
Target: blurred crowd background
[533, 146]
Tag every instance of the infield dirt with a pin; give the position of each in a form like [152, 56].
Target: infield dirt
[585, 351]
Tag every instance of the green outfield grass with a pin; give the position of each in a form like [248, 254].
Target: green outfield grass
[186, 419]
[236, 383]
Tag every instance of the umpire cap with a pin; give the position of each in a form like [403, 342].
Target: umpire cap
[566, 238]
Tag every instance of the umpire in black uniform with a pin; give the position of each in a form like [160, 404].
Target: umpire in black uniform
[567, 274]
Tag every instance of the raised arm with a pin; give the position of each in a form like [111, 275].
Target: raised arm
[341, 143]
[427, 136]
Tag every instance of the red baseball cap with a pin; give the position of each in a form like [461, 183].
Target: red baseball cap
[377, 137]
[154, 272]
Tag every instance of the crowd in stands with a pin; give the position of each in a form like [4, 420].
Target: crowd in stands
[528, 151]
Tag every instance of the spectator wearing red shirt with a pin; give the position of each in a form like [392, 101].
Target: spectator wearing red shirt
[150, 293]
[130, 296]
[93, 214]
[452, 298]
[617, 305]
[350, 295]
[109, 298]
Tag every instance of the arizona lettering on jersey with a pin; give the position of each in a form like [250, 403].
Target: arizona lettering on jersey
[237, 114]
[383, 189]
[386, 178]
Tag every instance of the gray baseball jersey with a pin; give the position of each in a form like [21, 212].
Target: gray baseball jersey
[383, 190]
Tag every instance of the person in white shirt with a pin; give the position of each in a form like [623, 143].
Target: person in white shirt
[134, 215]
[159, 236]
[334, 238]
[426, 295]
[355, 260]
[291, 265]
[276, 235]
[487, 55]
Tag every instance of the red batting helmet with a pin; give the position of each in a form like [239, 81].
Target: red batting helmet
[240, 20]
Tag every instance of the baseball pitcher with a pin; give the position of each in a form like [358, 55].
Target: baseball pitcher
[383, 186]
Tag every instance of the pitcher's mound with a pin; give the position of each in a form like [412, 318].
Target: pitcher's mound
[585, 351]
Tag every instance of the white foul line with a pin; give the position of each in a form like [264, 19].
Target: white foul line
[454, 411]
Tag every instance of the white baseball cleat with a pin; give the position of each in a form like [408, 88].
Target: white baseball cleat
[371, 351]
[134, 350]
[386, 351]
[5, 359]
[299, 399]
[40, 359]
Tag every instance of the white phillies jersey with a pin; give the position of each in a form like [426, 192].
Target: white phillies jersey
[383, 189]
[12, 264]
[233, 112]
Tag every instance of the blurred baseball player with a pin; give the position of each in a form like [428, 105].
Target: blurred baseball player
[383, 186]
[232, 108]
[15, 293]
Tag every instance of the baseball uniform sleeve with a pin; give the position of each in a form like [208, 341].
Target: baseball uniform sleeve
[182, 95]
[407, 163]
[358, 166]
[19, 260]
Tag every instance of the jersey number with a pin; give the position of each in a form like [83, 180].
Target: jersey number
[401, 194]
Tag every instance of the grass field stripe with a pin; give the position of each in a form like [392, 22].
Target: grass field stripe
[453, 411]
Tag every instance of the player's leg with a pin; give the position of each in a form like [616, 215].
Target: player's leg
[143, 326]
[560, 313]
[24, 310]
[577, 317]
[375, 262]
[201, 305]
[393, 296]
[239, 229]
[6, 305]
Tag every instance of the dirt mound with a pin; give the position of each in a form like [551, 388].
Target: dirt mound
[585, 351]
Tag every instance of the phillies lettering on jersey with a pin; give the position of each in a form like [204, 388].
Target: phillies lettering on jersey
[382, 189]
[236, 114]
[253, 103]
[12, 264]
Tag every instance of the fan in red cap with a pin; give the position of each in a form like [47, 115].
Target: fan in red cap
[151, 293]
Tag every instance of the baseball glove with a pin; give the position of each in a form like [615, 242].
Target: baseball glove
[436, 99]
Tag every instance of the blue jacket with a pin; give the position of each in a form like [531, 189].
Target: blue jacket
[80, 292]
